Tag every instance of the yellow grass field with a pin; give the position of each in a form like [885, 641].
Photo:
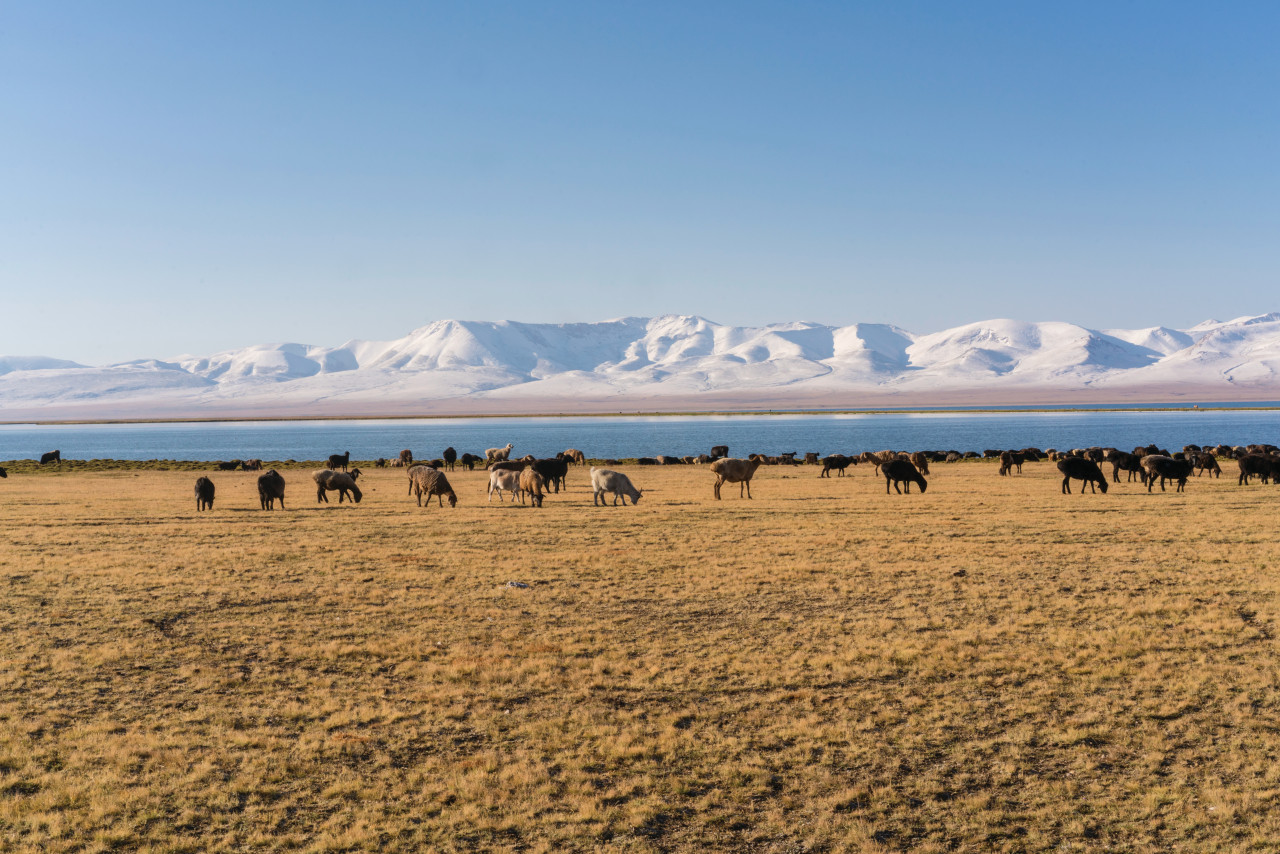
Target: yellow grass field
[991, 666]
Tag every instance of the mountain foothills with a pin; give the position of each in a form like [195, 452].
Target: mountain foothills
[668, 363]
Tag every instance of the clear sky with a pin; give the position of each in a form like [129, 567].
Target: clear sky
[192, 177]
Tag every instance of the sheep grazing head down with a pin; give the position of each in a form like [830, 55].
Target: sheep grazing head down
[453, 500]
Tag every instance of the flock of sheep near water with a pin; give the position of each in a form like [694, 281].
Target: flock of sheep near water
[530, 478]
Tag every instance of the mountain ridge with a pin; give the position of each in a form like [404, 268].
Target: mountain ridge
[465, 365]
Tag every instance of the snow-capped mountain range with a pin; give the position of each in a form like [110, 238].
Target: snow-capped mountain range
[671, 363]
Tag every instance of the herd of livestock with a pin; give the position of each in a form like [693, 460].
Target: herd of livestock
[530, 479]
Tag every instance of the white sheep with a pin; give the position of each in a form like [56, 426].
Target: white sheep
[502, 480]
[494, 454]
[615, 482]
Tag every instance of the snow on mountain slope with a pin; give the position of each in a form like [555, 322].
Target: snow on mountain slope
[9, 364]
[1161, 340]
[672, 356]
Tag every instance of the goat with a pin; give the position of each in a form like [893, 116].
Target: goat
[492, 454]
[1083, 470]
[729, 470]
[901, 472]
[204, 493]
[270, 488]
[424, 480]
[614, 482]
[343, 483]
[531, 484]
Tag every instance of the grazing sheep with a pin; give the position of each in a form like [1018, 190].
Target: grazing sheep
[1010, 460]
[251, 465]
[531, 484]
[954, 457]
[668, 460]
[729, 470]
[231, 466]
[51, 457]
[424, 480]
[1206, 462]
[380, 463]
[615, 483]
[270, 488]
[1123, 461]
[338, 462]
[470, 460]
[836, 462]
[719, 451]
[702, 459]
[811, 458]
[3, 473]
[343, 483]
[1081, 469]
[413, 468]
[901, 472]
[647, 461]
[204, 493]
[450, 457]
[398, 463]
[577, 456]
[501, 480]
[921, 461]
[554, 472]
[1261, 465]
[1166, 468]
[406, 457]
[492, 454]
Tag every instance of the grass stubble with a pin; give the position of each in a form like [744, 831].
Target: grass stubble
[991, 666]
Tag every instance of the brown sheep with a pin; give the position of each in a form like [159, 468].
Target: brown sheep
[427, 481]
[576, 456]
[921, 461]
[531, 484]
[729, 470]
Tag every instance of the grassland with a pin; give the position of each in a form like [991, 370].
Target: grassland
[991, 666]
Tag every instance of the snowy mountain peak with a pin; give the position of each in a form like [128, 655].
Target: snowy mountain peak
[677, 357]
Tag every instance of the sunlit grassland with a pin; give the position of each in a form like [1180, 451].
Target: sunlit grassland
[988, 666]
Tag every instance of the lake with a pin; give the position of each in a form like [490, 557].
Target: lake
[632, 436]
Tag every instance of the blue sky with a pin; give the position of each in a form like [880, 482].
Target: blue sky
[194, 177]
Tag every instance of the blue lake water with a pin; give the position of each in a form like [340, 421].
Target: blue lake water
[633, 436]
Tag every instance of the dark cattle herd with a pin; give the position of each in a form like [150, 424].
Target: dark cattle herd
[530, 479]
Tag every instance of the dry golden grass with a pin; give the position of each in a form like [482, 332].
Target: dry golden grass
[991, 666]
